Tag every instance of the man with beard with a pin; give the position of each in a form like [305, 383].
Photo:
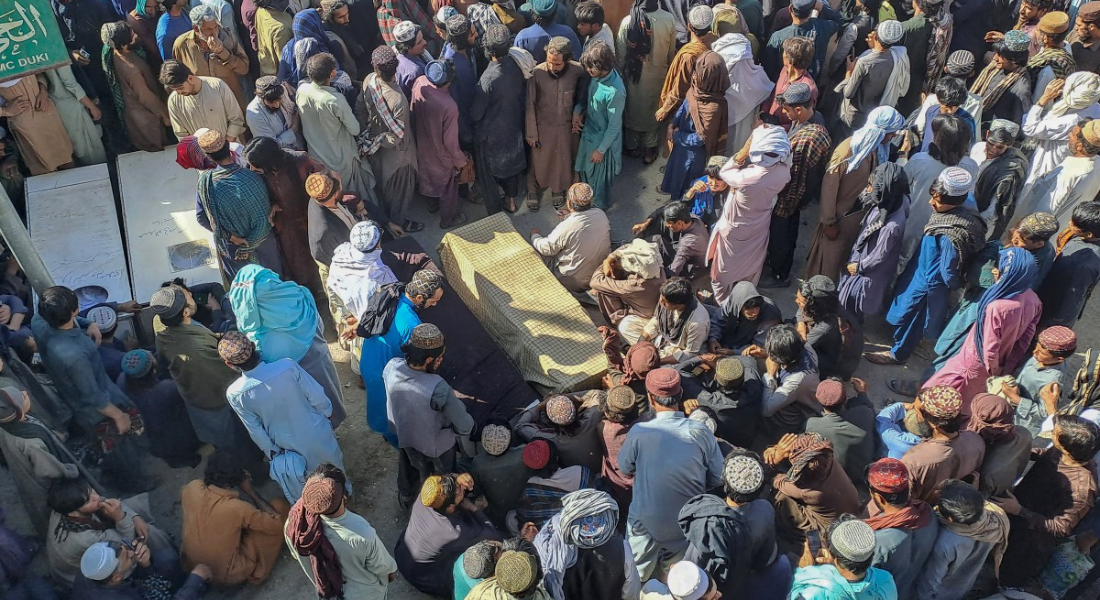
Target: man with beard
[352, 56]
[271, 114]
[552, 102]
[435, 121]
[497, 115]
[1085, 37]
[1001, 174]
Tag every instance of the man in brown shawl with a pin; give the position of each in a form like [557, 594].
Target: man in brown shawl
[137, 95]
[553, 91]
[679, 77]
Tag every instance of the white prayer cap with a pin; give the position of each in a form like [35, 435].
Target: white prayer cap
[701, 17]
[853, 540]
[405, 31]
[890, 32]
[957, 181]
[99, 561]
[687, 581]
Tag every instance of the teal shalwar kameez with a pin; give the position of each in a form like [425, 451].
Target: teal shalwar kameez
[603, 131]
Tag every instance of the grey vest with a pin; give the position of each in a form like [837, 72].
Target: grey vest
[409, 403]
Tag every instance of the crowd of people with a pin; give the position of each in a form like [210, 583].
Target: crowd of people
[952, 147]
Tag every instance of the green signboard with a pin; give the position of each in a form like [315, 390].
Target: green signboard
[29, 39]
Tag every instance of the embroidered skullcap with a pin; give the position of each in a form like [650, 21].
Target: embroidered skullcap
[622, 400]
[743, 474]
[496, 36]
[235, 348]
[496, 439]
[701, 17]
[890, 32]
[105, 317]
[1091, 132]
[168, 301]
[561, 410]
[957, 181]
[439, 72]
[210, 141]
[267, 83]
[431, 493]
[424, 282]
[960, 63]
[536, 454]
[888, 476]
[853, 540]
[426, 336]
[480, 560]
[99, 561]
[1054, 22]
[516, 571]
[321, 186]
[365, 236]
[383, 58]
[580, 195]
[544, 8]
[830, 393]
[941, 401]
[137, 363]
[1089, 12]
[704, 417]
[458, 25]
[405, 31]
[686, 581]
[444, 13]
[818, 286]
[1058, 339]
[11, 404]
[1040, 225]
[717, 162]
[796, 93]
[728, 370]
[663, 382]
[1016, 41]
[322, 495]
[1003, 131]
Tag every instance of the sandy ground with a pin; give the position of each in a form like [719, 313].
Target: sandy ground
[372, 463]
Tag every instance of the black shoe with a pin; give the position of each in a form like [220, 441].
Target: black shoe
[772, 283]
[411, 226]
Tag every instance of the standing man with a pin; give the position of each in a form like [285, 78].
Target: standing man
[274, 29]
[577, 245]
[682, 71]
[905, 528]
[1085, 39]
[498, 118]
[820, 29]
[198, 102]
[210, 51]
[542, 29]
[878, 78]
[430, 422]
[1004, 84]
[233, 204]
[951, 452]
[1002, 171]
[591, 25]
[600, 156]
[645, 46]
[412, 54]
[436, 123]
[672, 459]
[330, 127]
[273, 115]
[555, 92]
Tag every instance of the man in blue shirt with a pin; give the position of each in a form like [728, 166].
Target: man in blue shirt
[536, 36]
[820, 29]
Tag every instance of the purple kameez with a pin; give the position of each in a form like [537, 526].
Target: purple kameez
[435, 120]
[865, 292]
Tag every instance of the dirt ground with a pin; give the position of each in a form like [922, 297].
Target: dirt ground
[371, 462]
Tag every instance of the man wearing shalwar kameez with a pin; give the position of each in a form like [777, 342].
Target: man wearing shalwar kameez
[36, 125]
[330, 127]
[600, 156]
[1076, 179]
[646, 45]
[952, 237]
[1047, 125]
[436, 123]
[80, 115]
[680, 72]
[845, 179]
[555, 92]
[739, 240]
[498, 115]
[1004, 84]
[1001, 173]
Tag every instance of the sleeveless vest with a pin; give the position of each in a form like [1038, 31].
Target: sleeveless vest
[408, 402]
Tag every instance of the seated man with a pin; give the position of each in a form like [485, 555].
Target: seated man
[680, 235]
[115, 571]
[681, 324]
[849, 424]
[731, 387]
[742, 321]
[573, 427]
[706, 193]
[171, 435]
[846, 571]
[110, 349]
[549, 483]
[628, 283]
[577, 245]
[498, 471]
[238, 541]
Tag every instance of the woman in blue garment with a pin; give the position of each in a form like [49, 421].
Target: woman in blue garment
[700, 127]
[423, 291]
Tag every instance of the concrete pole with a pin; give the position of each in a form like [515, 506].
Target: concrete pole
[18, 241]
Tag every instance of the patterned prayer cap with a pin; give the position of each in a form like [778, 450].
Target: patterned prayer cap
[439, 72]
[458, 25]
[663, 382]
[1003, 131]
[888, 476]
[941, 401]
[426, 336]
[209, 140]
[1058, 339]
[424, 283]
[853, 539]
[431, 493]
[704, 417]
[496, 36]
[516, 571]
[830, 393]
[743, 474]
[621, 399]
[405, 31]
[321, 186]
[580, 195]
[105, 317]
[383, 57]
[444, 13]
[1091, 132]
[701, 17]
[365, 236]
[322, 495]
[957, 181]
[480, 560]
[717, 162]
[728, 370]
[137, 363]
[1040, 225]
[1016, 41]
[960, 63]
[796, 93]
[686, 581]
[496, 439]
[536, 454]
[1089, 12]
[890, 32]
[235, 348]
[1054, 23]
[168, 301]
[561, 410]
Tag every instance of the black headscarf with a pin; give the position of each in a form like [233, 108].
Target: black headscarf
[639, 38]
[889, 188]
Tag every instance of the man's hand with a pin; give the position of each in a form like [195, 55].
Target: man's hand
[142, 556]
[853, 268]
[237, 240]
[348, 332]
[772, 367]
[166, 120]
[393, 577]
[1050, 394]
[94, 111]
[578, 122]
[79, 59]
[1052, 92]
[271, 214]
[1009, 504]
[122, 423]
[697, 188]
[755, 352]
[216, 45]
[994, 36]
[849, 65]
[5, 314]
[597, 157]
[203, 571]
[466, 482]
[212, 303]
[94, 333]
[831, 231]
[16, 107]
[713, 346]
[130, 306]
[859, 385]
[9, 169]
[42, 101]
[690, 406]
[529, 531]
[112, 509]
[534, 232]
[396, 230]
[141, 528]
[639, 228]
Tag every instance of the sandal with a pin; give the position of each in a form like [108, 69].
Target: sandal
[559, 200]
[903, 387]
[514, 209]
[411, 226]
[534, 202]
[650, 156]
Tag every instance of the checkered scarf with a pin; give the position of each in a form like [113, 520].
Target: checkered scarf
[369, 145]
